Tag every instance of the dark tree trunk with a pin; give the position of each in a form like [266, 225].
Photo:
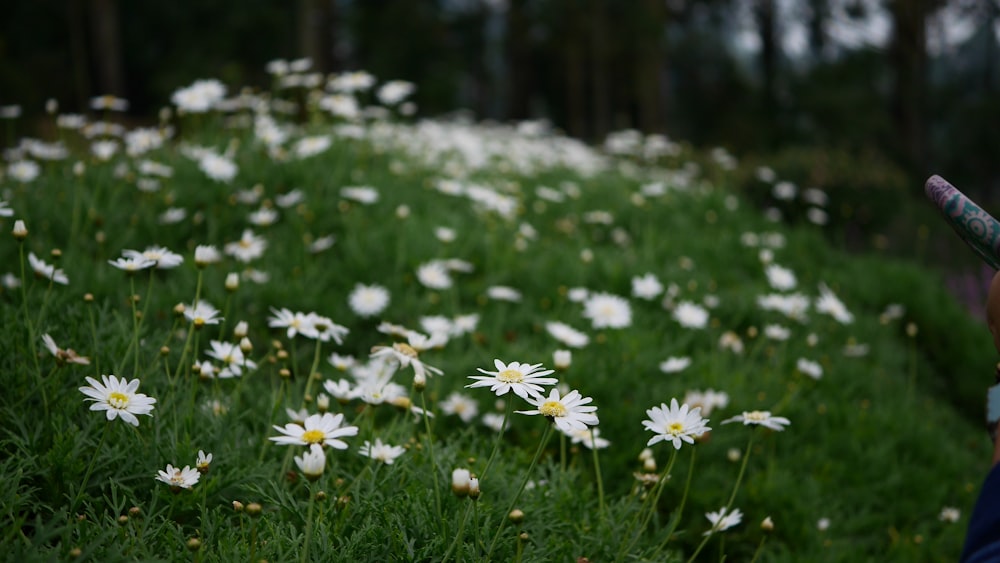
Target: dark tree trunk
[908, 57]
[316, 33]
[107, 52]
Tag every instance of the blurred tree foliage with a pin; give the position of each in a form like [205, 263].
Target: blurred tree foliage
[713, 72]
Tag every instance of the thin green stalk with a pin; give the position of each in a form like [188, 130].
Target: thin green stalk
[90, 468]
[135, 328]
[524, 482]
[496, 444]
[676, 517]
[31, 328]
[309, 524]
[430, 451]
[732, 497]
[644, 513]
[312, 370]
[760, 548]
[597, 472]
[461, 531]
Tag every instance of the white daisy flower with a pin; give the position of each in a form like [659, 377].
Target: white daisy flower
[179, 478]
[829, 303]
[362, 194]
[569, 412]
[325, 429]
[777, 332]
[132, 265]
[646, 287]
[723, 520]
[202, 313]
[676, 423]
[779, 277]
[312, 463]
[249, 248]
[675, 364]
[204, 460]
[503, 293]
[708, 400]
[368, 300]
[590, 438]
[434, 275]
[525, 380]
[460, 404]
[809, 367]
[762, 418]
[232, 357]
[47, 271]
[690, 315]
[378, 451]
[164, 258]
[566, 334]
[296, 323]
[607, 311]
[118, 398]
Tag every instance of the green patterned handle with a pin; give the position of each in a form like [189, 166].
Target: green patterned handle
[976, 227]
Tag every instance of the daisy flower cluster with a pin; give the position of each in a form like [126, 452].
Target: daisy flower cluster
[268, 237]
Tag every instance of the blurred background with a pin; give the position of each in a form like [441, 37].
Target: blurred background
[861, 98]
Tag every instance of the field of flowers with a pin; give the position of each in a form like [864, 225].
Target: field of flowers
[301, 325]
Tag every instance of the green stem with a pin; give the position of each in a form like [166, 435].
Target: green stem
[676, 518]
[496, 444]
[31, 332]
[461, 530]
[524, 482]
[644, 514]
[135, 328]
[312, 370]
[430, 451]
[732, 497]
[309, 524]
[90, 468]
[597, 472]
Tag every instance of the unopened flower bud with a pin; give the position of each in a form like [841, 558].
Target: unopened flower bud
[254, 509]
[460, 482]
[419, 381]
[562, 359]
[516, 516]
[20, 232]
[649, 465]
[241, 329]
[322, 402]
[134, 511]
[767, 525]
[474, 488]
[245, 345]
[523, 536]
[237, 506]
[122, 520]
[232, 281]
[194, 544]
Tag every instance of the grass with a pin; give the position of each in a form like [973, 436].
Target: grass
[874, 447]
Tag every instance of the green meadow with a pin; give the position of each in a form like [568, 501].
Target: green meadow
[312, 264]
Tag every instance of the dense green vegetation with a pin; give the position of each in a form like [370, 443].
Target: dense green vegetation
[876, 367]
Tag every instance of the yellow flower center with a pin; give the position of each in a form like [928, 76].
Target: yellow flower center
[118, 400]
[675, 428]
[510, 376]
[756, 416]
[552, 409]
[405, 349]
[177, 478]
[313, 436]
